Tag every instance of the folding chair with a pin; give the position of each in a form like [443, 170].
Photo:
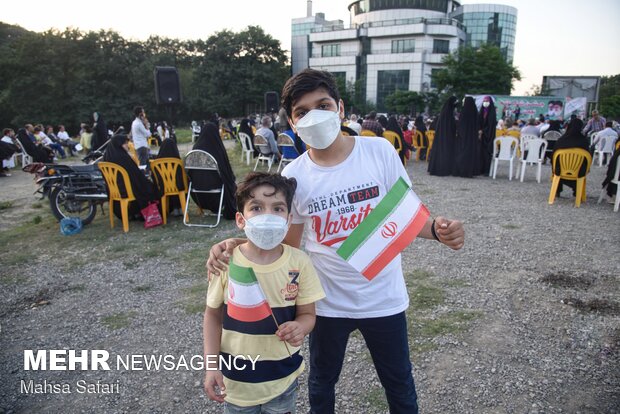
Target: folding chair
[264, 150]
[199, 160]
[284, 140]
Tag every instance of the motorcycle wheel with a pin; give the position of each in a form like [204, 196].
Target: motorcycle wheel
[61, 207]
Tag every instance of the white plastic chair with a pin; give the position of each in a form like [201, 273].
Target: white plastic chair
[614, 180]
[199, 160]
[264, 150]
[605, 146]
[535, 148]
[592, 136]
[246, 147]
[26, 158]
[195, 131]
[505, 150]
[284, 140]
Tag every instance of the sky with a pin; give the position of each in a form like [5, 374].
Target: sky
[554, 37]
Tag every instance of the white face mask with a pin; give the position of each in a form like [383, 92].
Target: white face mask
[486, 104]
[266, 231]
[319, 128]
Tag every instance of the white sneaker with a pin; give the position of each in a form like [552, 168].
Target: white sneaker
[612, 200]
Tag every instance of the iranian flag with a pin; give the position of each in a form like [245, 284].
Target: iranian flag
[386, 231]
[246, 300]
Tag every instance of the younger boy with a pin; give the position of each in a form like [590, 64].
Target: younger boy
[290, 286]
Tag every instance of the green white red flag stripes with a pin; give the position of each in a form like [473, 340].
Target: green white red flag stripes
[246, 299]
[391, 226]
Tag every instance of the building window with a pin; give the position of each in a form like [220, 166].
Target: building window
[441, 46]
[330, 50]
[388, 81]
[403, 46]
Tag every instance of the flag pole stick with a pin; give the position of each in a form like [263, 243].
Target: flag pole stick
[284, 342]
[272, 315]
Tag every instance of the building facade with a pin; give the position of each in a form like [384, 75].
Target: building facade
[390, 44]
[493, 24]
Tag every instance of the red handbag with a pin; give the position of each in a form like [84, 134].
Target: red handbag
[151, 215]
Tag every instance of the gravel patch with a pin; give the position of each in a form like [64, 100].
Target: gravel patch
[530, 310]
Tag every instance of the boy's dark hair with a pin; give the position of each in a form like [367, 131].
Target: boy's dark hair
[308, 80]
[137, 110]
[255, 179]
[608, 124]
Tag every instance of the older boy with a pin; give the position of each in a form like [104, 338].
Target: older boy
[287, 280]
[340, 180]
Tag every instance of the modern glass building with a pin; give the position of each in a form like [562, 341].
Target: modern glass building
[491, 24]
[390, 44]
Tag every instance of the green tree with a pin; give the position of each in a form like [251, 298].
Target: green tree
[475, 71]
[405, 102]
[235, 71]
[610, 107]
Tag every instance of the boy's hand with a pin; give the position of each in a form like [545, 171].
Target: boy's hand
[292, 333]
[219, 255]
[450, 232]
[214, 386]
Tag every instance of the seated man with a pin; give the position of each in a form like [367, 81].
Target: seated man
[607, 133]
[372, 124]
[354, 125]
[65, 140]
[266, 132]
[531, 128]
[47, 142]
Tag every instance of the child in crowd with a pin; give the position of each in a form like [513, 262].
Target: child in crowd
[263, 306]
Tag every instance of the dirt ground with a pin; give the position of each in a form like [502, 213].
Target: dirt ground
[524, 319]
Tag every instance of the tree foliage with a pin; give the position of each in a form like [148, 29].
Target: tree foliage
[609, 97]
[476, 71]
[405, 102]
[63, 77]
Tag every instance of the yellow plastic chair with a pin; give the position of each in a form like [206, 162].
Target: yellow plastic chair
[514, 133]
[132, 152]
[367, 133]
[152, 141]
[430, 136]
[110, 172]
[418, 144]
[571, 160]
[395, 140]
[165, 173]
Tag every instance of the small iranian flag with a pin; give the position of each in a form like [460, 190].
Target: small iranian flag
[386, 231]
[246, 300]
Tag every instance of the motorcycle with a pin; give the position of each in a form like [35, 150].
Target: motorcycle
[72, 190]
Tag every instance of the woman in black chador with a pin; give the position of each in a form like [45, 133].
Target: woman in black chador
[442, 154]
[245, 127]
[143, 189]
[421, 126]
[39, 153]
[169, 149]
[211, 142]
[467, 157]
[487, 123]
[100, 131]
[392, 125]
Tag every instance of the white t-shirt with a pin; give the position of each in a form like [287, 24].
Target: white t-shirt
[63, 135]
[331, 201]
[139, 133]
